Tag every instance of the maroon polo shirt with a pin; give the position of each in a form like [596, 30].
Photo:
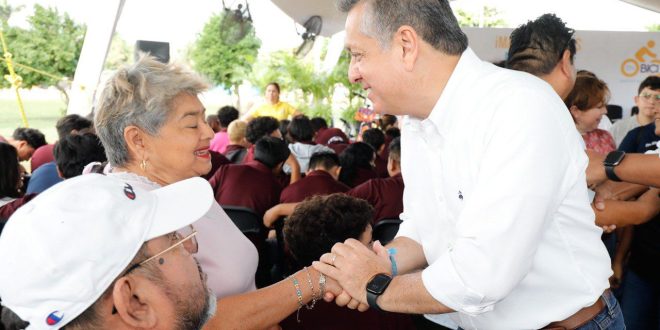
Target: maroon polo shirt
[251, 185]
[363, 175]
[250, 155]
[315, 183]
[217, 160]
[331, 135]
[385, 195]
[328, 316]
[8, 209]
[381, 167]
[42, 155]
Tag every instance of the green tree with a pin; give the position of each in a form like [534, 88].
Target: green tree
[51, 44]
[222, 56]
[120, 53]
[489, 17]
[653, 28]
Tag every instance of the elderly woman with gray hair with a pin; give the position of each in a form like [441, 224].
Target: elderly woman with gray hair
[153, 127]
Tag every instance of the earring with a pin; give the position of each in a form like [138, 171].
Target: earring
[143, 165]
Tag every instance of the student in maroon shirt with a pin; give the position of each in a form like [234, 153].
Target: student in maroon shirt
[321, 179]
[258, 128]
[376, 139]
[313, 228]
[385, 195]
[253, 184]
[357, 164]
[237, 148]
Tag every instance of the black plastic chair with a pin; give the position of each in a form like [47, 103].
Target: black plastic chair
[246, 219]
[385, 230]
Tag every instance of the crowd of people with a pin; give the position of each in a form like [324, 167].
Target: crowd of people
[517, 209]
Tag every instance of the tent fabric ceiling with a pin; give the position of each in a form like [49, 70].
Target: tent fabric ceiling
[301, 11]
[653, 5]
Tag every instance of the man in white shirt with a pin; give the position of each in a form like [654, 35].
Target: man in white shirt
[496, 213]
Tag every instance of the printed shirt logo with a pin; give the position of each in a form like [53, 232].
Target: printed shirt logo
[54, 318]
[645, 61]
[128, 191]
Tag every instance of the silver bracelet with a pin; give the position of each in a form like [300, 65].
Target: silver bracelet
[311, 287]
[321, 286]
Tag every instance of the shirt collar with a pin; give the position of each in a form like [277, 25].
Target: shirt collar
[463, 72]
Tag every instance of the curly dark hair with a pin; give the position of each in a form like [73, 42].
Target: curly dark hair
[260, 127]
[321, 221]
[537, 46]
[32, 136]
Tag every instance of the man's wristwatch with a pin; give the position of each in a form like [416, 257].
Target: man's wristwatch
[613, 159]
[375, 287]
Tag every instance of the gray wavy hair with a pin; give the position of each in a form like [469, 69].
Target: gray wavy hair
[140, 95]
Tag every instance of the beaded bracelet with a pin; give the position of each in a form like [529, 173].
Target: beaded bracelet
[300, 297]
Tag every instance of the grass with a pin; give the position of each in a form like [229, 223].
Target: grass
[41, 114]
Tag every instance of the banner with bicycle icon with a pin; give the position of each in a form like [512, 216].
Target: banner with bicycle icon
[645, 61]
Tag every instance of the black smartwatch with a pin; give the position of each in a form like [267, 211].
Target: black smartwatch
[375, 287]
[613, 159]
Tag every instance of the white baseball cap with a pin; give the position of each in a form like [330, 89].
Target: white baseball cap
[63, 249]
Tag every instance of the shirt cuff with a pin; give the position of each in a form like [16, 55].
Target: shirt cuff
[446, 286]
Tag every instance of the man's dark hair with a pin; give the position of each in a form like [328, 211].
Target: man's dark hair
[284, 128]
[652, 82]
[374, 137]
[537, 46]
[393, 132]
[324, 159]
[72, 123]
[10, 174]
[433, 20]
[260, 127]
[32, 136]
[318, 123]
[355, 156]
[226, 115]
[321, 221]
[271, 151]
[300, 129]
[74, 152]
[395, 149]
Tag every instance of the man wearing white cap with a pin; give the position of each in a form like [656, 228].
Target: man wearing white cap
[94, 252]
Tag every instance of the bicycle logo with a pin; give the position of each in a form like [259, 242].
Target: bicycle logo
[639, 64]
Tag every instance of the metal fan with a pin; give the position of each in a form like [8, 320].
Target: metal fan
[236, 23]
[312, 27]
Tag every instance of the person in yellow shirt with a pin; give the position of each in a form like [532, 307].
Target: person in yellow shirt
[273, 107]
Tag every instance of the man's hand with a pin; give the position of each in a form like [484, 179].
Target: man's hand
[595, 170]
[617, 276]
[352, 264]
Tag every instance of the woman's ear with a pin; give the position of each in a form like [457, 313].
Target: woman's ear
[135, 140]
[132, 304]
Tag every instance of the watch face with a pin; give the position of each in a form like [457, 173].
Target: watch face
[614, 158]
[378, 284]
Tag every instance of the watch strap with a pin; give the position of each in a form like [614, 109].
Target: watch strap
[371, 300]
[609, 172]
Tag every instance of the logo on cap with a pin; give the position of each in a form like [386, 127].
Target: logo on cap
[54, 318]
[128, 191]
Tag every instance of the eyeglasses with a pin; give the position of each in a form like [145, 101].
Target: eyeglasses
[648, 97]
[184, 236]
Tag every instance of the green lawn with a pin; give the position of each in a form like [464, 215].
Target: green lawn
[41, 115]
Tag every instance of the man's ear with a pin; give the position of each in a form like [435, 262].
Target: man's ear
[566, 66]
[574, 111]
[133, 305]
[409, 42]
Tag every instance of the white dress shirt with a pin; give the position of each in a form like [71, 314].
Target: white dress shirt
[496, 194]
